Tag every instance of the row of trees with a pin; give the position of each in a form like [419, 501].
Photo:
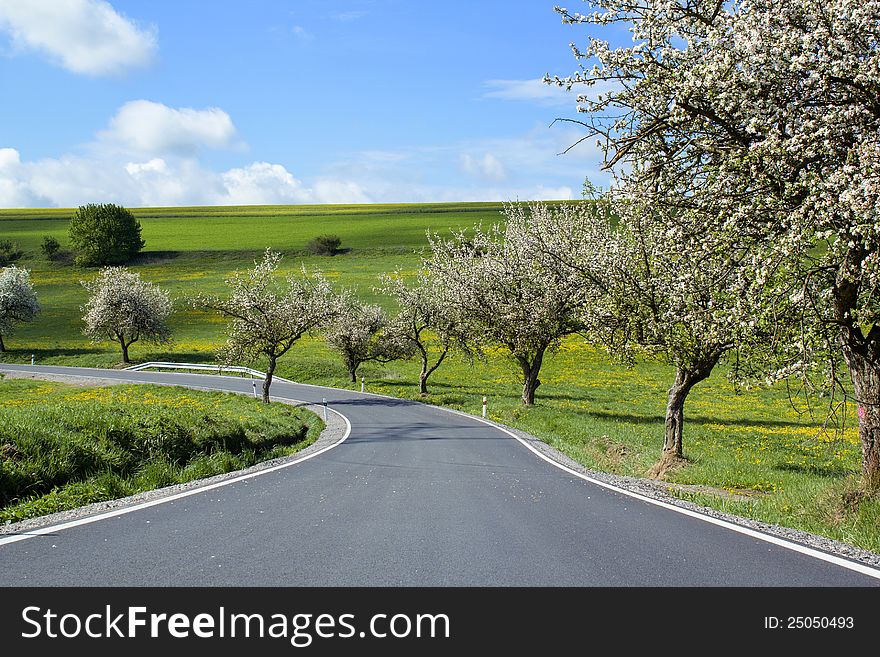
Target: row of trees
[748, 133]
[597, 268]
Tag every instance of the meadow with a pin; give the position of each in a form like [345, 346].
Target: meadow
[754, 453]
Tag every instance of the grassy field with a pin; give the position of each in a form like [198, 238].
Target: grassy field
[64, 446]
[750, 453]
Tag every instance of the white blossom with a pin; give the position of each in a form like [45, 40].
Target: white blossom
[428, 324]
[18, 302]
[267, 315]
[513, 297]
[356, 334]
[124, 308]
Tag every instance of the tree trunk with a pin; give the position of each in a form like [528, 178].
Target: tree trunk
[862, 355]
[865, 375]
[267, 382]
[530, 370]
[124, 345]
[426, 370]
[685, 380]
[352, 372]
[672, 439]
[2, 346]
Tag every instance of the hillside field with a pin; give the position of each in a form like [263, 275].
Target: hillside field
[753, 453]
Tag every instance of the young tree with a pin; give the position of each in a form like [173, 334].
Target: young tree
[762, 119]
[356, 333]
[427, 323]
[124, 308]
[18, 302]
[267, 316]
[509, 294]
[104, 234]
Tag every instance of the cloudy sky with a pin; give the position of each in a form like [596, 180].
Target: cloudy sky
[189, 102]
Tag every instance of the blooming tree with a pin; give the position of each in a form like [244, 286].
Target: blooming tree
[18, 302]
[681, 305]
[510, 296]
[125, 308]
[268, 315]
[428, 323]
[761, 118]
[356, 333]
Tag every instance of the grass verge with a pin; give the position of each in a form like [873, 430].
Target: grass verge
[63, 446]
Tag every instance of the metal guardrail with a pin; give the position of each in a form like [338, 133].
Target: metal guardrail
[220, 369]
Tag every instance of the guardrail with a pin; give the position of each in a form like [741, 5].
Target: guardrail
[220, 369]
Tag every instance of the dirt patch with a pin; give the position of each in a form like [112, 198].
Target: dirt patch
[613, 452]
[666, 465]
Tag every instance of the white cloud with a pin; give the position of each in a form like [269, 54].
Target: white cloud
[340, 191]
[83, 36]
[151, 155]
[488, 166]
[529, 90]
[537, 91]
[9, 159]
[140, 169]
[301, 33]
[263, 183]
[148, 127]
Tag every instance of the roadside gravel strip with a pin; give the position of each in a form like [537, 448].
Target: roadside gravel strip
[337, 430]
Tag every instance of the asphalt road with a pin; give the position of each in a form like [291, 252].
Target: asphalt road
[415, 496]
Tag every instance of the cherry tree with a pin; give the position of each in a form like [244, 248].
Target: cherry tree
[681, 305]
[18, 302]
[761, 119]
[428, 324]
[124, 308]
[511, 297]
[356, 333]
[268, 315]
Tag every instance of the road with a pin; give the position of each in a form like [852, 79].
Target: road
[414, 496]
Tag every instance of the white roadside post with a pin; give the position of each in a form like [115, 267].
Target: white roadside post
[324, 400]
[485, 403]
[254, 384]
[32, 359]
[362, 384]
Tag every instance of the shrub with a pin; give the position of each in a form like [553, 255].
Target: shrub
[324, 245]
[50, 247]
[104, 234]
[9, 252]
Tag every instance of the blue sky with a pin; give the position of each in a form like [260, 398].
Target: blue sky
[182, 102]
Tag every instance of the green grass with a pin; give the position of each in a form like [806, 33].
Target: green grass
[64, 446]
[752, 453]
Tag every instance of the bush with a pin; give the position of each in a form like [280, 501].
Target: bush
[104, 234]
[9, 252]
[50, 247]
[324, 245]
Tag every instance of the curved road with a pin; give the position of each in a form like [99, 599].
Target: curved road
[415, 496]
